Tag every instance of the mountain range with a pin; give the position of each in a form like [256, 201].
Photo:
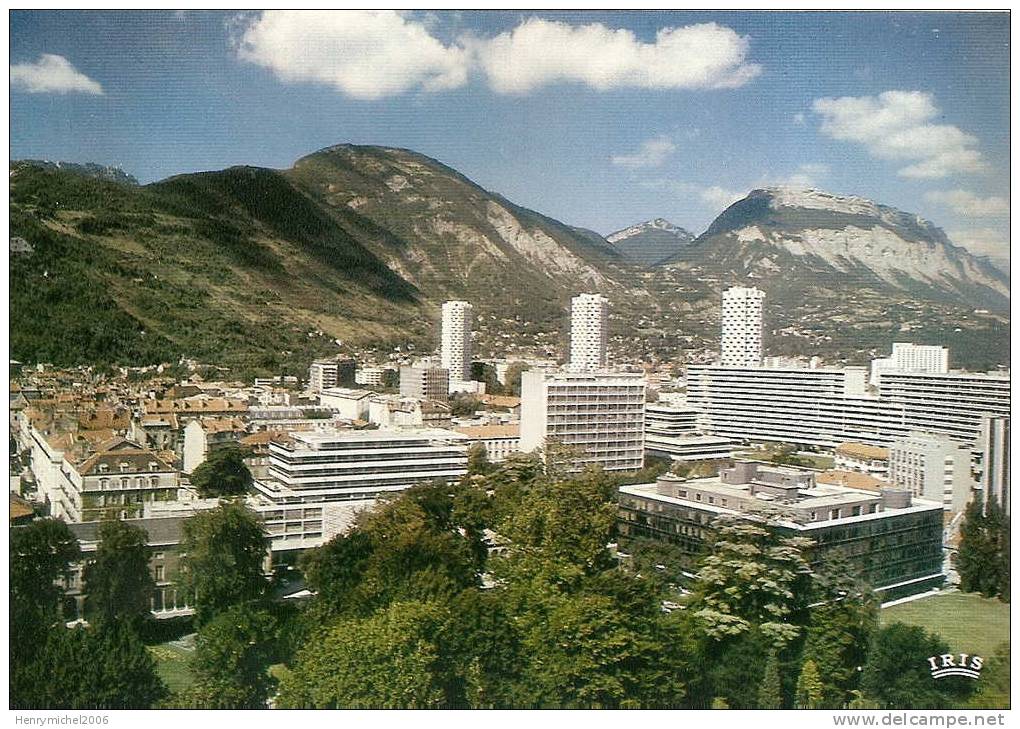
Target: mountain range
[256, 269]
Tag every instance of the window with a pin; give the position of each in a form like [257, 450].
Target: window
[103, 468]
[160, 572]
[125, 483]
[124, 467]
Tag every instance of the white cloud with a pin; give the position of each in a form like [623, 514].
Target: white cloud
[808, 174]
[366, 54]
[713, 196]
[719, 197]
[983, 242]
[897, 125]
[52, 74]
[653, 152]
[540, 52]
[969, 205]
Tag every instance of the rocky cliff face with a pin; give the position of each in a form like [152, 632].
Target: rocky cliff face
[814, 237]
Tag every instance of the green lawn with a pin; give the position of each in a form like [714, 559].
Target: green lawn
[172, 665]
[968, 622]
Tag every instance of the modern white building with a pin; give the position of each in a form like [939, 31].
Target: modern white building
[346, 465]
[599, 417]
[425, 383]
[670, 420]
[932, 467]
[455, 345]
[815, 407]
[741, 326]
[671, 431]
[589, 329]
[952, 403]
[908, 357]
[994, 444]
[348, 403]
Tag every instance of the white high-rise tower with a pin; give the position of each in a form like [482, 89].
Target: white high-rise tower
[456, 340]
[741, 326]
[589, 318]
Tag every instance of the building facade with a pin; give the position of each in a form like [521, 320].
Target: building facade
[589, 330]
[892, 541]
[741, 326]
[862, 457]
[455, 344]
[811, 407]
[597, 417]
[425, 383]
[499, 441]
[908, 357]
[932, 467]
[994, 444]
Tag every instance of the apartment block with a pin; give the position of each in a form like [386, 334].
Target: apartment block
[598, 417]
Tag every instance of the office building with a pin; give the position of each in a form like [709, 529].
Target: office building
[671, 431]
[889, 539]
[589, 329]
[455, 345]
[425, 383]
[345, 465]
[994, 444]
[499, 441]
[741, 327]
[597, 417]
[326, 373]
[932, 467]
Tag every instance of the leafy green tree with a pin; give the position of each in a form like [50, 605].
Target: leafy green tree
[485, 372]
[233, 652]
[463, 405]
[334, 572]
[478, 460]
[843, 617]
[993, 691]
[897, 674]
[752, 578]
[223, 551]
[393, 659]
[809, 687]
[223, 473]
[40, 554]
[118, 583]
[101, 667]
[770, 690]
[584, 651]
[983, 559]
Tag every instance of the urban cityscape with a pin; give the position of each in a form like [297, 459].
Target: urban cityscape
[360, 434]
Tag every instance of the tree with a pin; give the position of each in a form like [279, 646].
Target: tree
[478, 460]
[223, 473]
[393, 659]
[117, 582]
[843, 617]
[809, 687]
[100, 667]
[41, 554]
[222, 555]
[485, 372]
[233, 652]
[463, 405]
[770, 690]
[897, 674]
[334, 572]
[983, 559]
[513, 377]
[752, 578]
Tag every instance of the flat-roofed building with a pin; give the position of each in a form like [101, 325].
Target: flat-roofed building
[820, 407]
[598, 417]
[892, 541]
[361, 464]
[933, 467]
[425, 383]
[951, 404]
[908, 357]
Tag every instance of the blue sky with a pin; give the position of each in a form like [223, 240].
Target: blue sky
[598, 119]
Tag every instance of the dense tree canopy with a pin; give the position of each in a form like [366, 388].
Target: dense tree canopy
[223, 473]
[223, 551]
[117, 581]
[983, 559]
